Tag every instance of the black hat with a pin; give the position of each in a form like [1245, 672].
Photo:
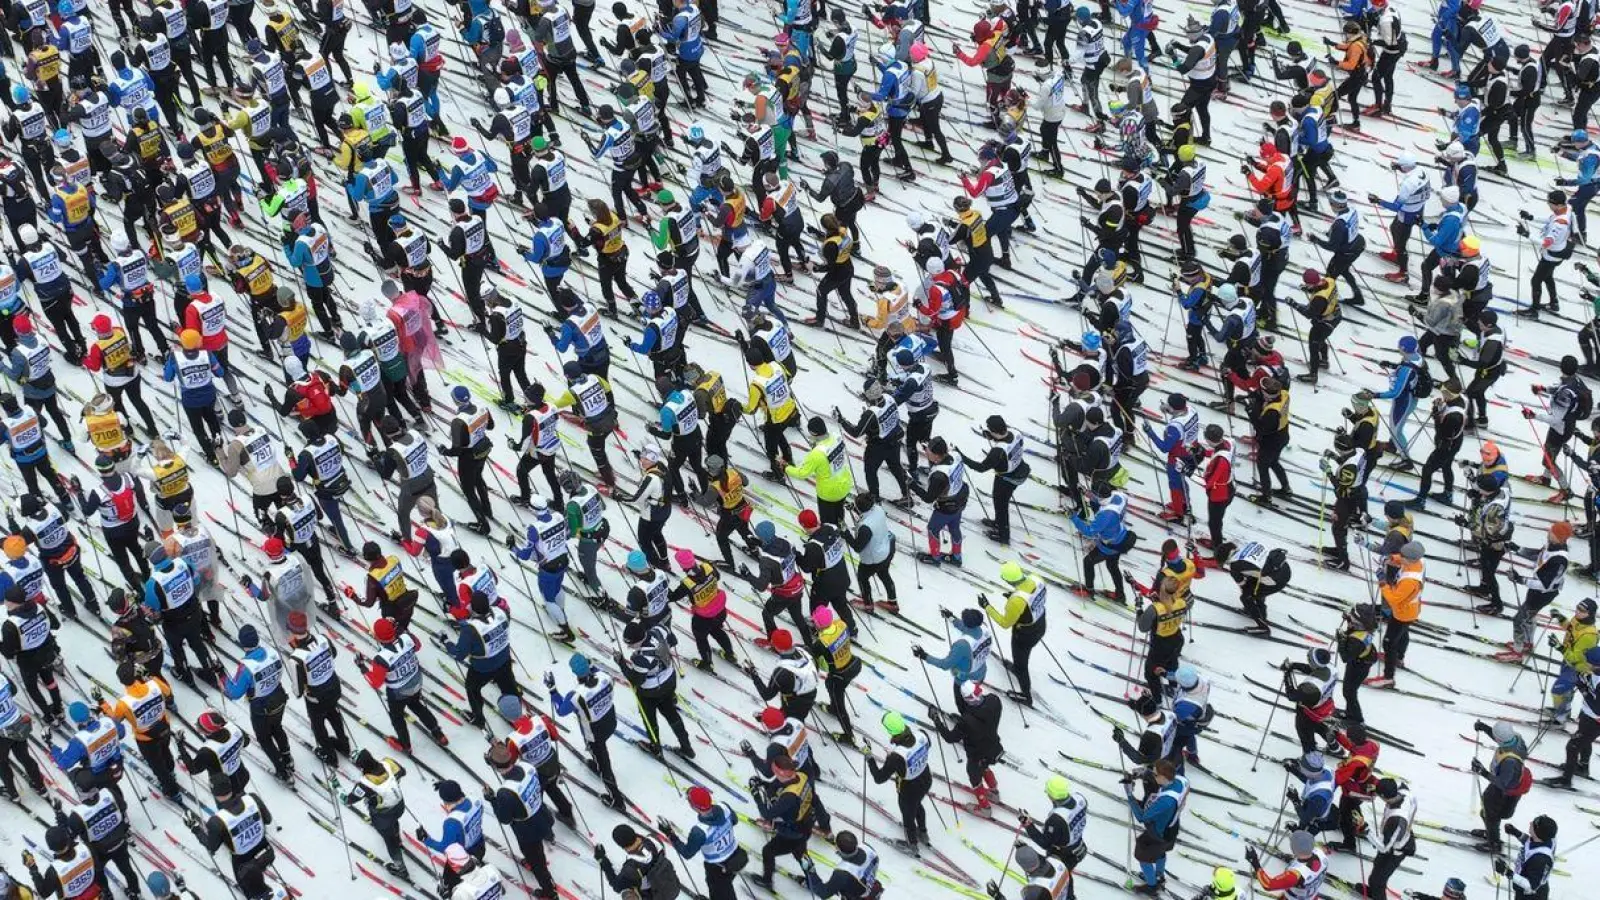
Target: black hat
[995, 425]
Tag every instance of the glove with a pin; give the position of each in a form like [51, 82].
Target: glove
[421, 833]
[745, 747]
[1372, 198]
[1291, 795]
[1538, 389]
[599, 853]
[1116, 733]
[550, 680]
[1527, 413]
[29, 861]
[442, 447]
[1483, 727]
[1253, 858]
[992, 890]
[488, 794]
[983, 601]
[1500, 867]
[1524, 215]
[1478, 768]
[1522, 229]
[511, 542]
[1553, 641]
[945, 613]
[918, 652]
[806, 865]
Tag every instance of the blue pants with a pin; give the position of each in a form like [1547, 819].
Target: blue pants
[1399, 417]
[1133, 44]
[550, 581]
[1561, 690]
[1580, 204]
[331, 509]
[944, 521]
[1446, 35]
[765, 293]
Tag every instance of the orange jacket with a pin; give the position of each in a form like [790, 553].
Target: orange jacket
[1404, 596]
[1273, 181]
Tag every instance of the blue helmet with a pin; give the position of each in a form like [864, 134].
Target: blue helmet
[1408, 344]
[20, 94]
[650, 301]
[579, 664]
[61, 138]
[160, 886]
[1084, 14]
[64, 9]
[461, 395]
[194, 283]
[1579, 136]
[1108, 256]
[1463, 91]
[1091, 341]
[637, 562]
[697, 133]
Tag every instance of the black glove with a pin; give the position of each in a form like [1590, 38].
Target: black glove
[421, 833]
[1524, 215]
[1253, 858]
[1483, 727]
[1116, 733]
[1500, 867]
[918, 652]
[1512, 830]
[945, 613]
[599, 853]
[983, 601]
[1478, 767]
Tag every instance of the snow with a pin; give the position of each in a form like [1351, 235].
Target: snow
[1012, 385]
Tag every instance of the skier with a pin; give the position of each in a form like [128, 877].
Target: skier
[1025, 614]
[1160, 817]
[461, 826]
[595, 708]
[1535, 859]
[239, 824]
[648, 666]
[1111, 536]
[1543, 585]
[395, 667]
[1304, 874]
[646, 869]
[975, 726]
[518, 801]
[379, 790]
[791, 804]
[221, 750]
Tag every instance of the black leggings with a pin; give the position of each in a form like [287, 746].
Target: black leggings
[707, 627]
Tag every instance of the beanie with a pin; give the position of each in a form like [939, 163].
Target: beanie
[765, 532]
[383, 630]
[1301, 843]
[684, 558]
[893, 723]
[579, 664]
[972, 618]
[699, 798]
[822, 616]
[772, 718]
[449, 791]
[781, 640]
[509, 706]
[248, 638]
[808, 519]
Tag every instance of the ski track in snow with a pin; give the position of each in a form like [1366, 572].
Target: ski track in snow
[1433, 717]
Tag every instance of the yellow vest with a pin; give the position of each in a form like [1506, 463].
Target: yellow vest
[172, 477]
[105, 430]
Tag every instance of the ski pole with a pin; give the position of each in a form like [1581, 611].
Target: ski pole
[1265, 730]
[943, 763]
[1001, 655]
[338, 816]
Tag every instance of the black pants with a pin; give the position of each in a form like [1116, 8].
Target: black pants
[397, 716]
[1489, 559]
[1442, 461]
[327, 721]
[1396, 638]
[502, 678]
[18, 750]
[777, 846]
[865, 572]
[113, 854]
[1579, 747]
[658, 707]
[134, 391]
[473, 486]
[554, 70]
[790, 606]
[1023, 639]
[1269, 456]
[1383, 866]
[705, 628]
[1523, 112]
[837, 684]
[157, 753]
[32, 471]
[1197, 96]
[184, 634]
[1497, 807]
[1308, 730]
[687, 450]
[882, 453]
[1113, 563]
[266, 720]
[1355, 674]
[214, 55]
[546, 463]
[1165, 653]
[530, 836]
[1544, 280]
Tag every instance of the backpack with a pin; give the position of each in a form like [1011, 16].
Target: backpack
[1424, 382]
[663, 878]
[1584, 405]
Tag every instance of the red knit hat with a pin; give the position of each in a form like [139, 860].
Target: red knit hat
[699, 799]
[297, 622]
[773, 718]
[383, 630]
[274, 548]
[808, 519]
[22, 323]
[782, 640]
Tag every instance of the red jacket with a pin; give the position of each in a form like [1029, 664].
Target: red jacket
[313, 393]
[1264, 367]
[1219, 473]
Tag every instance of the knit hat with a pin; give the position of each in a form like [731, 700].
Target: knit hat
[699, 798]
[78, 712]
[383, 630]
[1027, 857]
[772, 718]
[1387, 788]
[579, 665]
[781, 640]
[449, 791]
[638, 562]
[297, 622]
[971, 691]
[1056, 787]
[633, 632]
[684, 558]
[456, 855]
[509, 706]
[248, 638]
[274, 548]
[765, 532]
[995, 425]
[1302, 844]
[972, 618]
[822, 616]
[808, 519]
[1412, 550]
[1503, 733]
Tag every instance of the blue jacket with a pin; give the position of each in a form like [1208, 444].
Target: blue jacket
[958, 661]
[1106, 528]
[16, 365]
[299, 255]
[75, 752]
[240, 683]
[1161, 812]
[1446, 235]
[569, 337]
[689, 49]
[1403, 380]
[194, 397]
[451, 831]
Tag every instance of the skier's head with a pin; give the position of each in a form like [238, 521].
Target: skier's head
[1302, 844]
[1455, 889]
[1561, 532]
[1146, 705]
[1584, 610]
[456, 856]
[771, 718]
[1028, 859]
[1057, 788]
[808, 520]
[1542, 828]
[781, 640]
[1312, 763]
[638, 563]
[384, 630]
[766, 533]
[971, 692]
[1187, 677]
